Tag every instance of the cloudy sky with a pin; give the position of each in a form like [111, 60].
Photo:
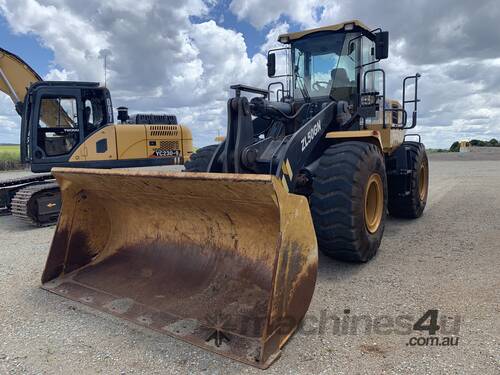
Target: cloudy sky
[181, 56]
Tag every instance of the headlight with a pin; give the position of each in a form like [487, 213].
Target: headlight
[284, 39]
[349, 26]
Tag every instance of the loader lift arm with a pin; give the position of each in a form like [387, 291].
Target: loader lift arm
[284, 157]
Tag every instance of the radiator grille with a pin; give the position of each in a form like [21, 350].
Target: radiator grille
[164, 131]
[169, 145]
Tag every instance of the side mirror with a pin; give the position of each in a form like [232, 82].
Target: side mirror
[271, 65]
[382, 45]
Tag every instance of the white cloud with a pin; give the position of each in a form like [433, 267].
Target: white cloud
[158, 60]
[450, 42]
[55, 74]
[263, 12]
[9, 121]
[272, 37]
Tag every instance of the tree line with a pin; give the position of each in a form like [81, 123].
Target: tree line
[455, 147]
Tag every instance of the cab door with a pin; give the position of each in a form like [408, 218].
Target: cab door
[56, 126]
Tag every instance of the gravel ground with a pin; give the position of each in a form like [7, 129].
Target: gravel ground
[7, 175]
[447, 260]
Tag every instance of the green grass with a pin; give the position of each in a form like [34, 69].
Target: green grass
[9, 157]
[435, 150]
[9, 152]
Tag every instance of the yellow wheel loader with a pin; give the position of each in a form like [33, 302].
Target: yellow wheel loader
[71, 124]
[225, 255]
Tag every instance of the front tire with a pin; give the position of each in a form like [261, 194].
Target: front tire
[349, 201]
[200, 159]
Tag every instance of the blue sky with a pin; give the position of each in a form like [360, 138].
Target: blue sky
[30, 48]
[221, 14]
[181, 56]
[27, 47]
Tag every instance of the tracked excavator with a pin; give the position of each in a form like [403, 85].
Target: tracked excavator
[71, 124]
[225, 255]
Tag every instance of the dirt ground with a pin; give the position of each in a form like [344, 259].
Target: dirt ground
[448, 260]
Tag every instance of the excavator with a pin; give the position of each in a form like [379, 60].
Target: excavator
[225, 254]
[71, 124]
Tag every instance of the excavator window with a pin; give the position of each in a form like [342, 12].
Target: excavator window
[88, 115]
[94, 111]
[58, 131]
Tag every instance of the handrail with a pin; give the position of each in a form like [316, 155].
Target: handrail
[403, 110]
[415, 99]
[380, 70]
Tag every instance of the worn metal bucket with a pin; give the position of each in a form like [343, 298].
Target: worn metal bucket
[226, 262]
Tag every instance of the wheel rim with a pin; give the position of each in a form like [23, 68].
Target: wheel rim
[422, 182]
[374, 203]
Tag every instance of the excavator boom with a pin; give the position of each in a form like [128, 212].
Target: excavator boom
[16, 76]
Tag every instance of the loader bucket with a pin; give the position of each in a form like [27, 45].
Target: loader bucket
[226, 262]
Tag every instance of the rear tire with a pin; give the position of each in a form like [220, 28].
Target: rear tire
[200, 159]
[410, 204]
[349, 201]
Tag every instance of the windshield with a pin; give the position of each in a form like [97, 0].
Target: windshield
[325, 64]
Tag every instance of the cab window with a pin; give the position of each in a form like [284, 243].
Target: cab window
[94, 111]
[373, 79]
[323, 65]
[58, 131]
[368, 56]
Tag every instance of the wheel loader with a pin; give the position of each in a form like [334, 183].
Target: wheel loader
[71, 124]
[224, 255]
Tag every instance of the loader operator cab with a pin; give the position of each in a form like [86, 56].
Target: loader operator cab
[330, 64]
[331, 82]
[58, 116]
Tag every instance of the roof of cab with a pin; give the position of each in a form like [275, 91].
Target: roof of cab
[287, 38]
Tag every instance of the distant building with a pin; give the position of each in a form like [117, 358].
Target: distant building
[465, 146]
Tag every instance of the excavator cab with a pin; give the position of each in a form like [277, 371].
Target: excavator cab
[58, 117]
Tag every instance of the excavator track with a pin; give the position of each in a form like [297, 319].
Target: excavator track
[8, 188]
[25, 180]
[38, 204]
